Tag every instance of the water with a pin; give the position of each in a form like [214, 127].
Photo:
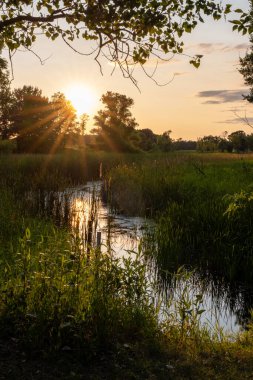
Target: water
[226, 305]
[118, 232]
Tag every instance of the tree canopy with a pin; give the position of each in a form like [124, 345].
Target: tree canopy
[115, 124]
[126, 32]
[5, 99]
[246, 63]
[40, 125]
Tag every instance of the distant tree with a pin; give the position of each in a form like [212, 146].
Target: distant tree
[115, 124]
[5, 100]
[181, 144]
[208, 143]
[164, 141]
[250, 142]
[82, 123]
[239, 141]
[75, 136]
[147, 139]
[225, 145]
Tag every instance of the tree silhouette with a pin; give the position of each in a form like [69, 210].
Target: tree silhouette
[147, 139]
[165, 142]
[239, 141]
[40, 125]
[115, 124]
[5, 100]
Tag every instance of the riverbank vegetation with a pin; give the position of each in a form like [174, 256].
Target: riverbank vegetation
[202, 205]
[68, 315]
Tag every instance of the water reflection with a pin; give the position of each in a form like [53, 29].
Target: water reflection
[227, 301]
[76, 207]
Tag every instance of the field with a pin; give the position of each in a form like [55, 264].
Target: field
[65, 314]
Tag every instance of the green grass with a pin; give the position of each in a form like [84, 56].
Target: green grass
[202, 205]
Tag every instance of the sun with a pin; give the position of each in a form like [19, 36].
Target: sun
[82, 97]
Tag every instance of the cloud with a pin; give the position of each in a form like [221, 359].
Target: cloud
[212, 102]
[241, 47]
[208, 48]
[221, 96]
[236, 120]
[177, 74]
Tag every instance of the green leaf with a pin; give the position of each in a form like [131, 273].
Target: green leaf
[27, 233]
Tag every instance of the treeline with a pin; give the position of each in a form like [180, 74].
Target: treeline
[237, 141]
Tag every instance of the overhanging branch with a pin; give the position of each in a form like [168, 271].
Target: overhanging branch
[32, 19]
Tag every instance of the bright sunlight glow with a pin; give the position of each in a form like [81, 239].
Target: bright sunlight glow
[83, 98]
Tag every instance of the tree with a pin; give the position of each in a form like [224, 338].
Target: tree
[125, 32]
[208, 143]
[147, 139]
[246, 63]
[5, 100]
[225, 145]
[250, 142]
[38, 124]
[83, 119]
[115, 124]
[63, 114]
[29, 116]
[246, 70]
[75, 136]
[164, 141]
[239, 141]
[181, 144]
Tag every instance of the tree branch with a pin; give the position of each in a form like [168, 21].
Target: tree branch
[32, 19]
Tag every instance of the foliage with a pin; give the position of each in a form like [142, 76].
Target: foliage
[208, 144]
[147, 139]
[83, 119]
[125, 32]
[5, 99]
[38, 124]
[246, 69]
[59, 297]
[165, 142]
[246, 63]
[181, 144]
[187, 196]
[115, 123]
[237, 141]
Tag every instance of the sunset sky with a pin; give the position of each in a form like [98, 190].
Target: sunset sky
[196, 102]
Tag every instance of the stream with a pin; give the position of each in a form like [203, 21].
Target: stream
[223, 306]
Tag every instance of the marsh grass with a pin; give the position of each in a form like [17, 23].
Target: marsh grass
[202, 205]
[54, 295]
